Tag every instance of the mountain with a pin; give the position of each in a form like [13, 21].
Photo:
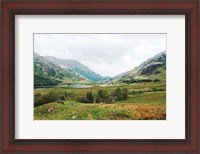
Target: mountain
[77, 67]
[117, 77]
[50, 70]
[48, 73]
[153, 69]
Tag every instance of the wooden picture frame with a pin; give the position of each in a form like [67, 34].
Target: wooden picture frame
[188, 8]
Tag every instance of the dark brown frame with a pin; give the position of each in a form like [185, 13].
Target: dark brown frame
[189, 8]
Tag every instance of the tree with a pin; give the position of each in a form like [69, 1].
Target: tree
[102, 95]
[118, 94]
[110, 99]
[97, 98]
[125, 93]
[89, 97]
[121, 94]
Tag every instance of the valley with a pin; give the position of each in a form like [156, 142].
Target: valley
[145, 102]
[65, 89]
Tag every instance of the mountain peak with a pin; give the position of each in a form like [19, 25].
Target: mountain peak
[152, 68]
[48, 73]
[77, 67]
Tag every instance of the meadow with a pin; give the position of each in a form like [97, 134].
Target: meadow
[142, 101]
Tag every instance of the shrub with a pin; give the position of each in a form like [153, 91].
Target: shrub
[137, 92]
[69, 94]
[62, 97]
[154, 89]
[121, 94]
[82, 100]
[118, 94]
[37, 99]
[110, 99]
[125, 93]
[156, 80]
[66, 94]
[97, 99]
[89, 97]
[102, 96]
[52, 96]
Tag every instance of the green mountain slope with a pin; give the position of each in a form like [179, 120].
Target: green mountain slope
[76, 67]
[50, 70]
[48, 73]
[153, 69]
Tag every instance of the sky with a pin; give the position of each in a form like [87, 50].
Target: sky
[105, 54]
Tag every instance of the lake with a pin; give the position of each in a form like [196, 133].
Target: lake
[61, 86]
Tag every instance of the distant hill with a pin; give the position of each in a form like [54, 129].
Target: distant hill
[51, 70]
[153, 69]
[78, 68]
[48, 73]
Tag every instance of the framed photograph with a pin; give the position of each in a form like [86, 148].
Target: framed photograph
[100, 76]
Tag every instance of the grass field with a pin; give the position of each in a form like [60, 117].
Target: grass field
[146, 101]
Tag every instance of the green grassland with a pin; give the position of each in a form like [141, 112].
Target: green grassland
[146, 101]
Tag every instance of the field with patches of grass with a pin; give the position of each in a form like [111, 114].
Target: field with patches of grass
[146, 101]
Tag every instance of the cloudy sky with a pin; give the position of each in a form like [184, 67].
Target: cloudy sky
[105, 54]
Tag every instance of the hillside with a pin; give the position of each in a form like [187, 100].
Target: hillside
[153, 69]
[50, 70]
[48, 73]
[76, 67]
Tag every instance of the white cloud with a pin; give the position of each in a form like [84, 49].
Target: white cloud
[106, 54]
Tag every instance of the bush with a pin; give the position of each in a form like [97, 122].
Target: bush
[118, 94]
[82, 100]
[134, 92]
[66, 94]
[132, 80]
[125, 93]
[137, 92]
[62, 97]
[97, 99]
[101, 96]
[89, 97]
[69, 94]
[37, 99]
[121, 94]
[110, 99]
[154, 89]
[50, 97]
[46, 98]
[156, 80]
